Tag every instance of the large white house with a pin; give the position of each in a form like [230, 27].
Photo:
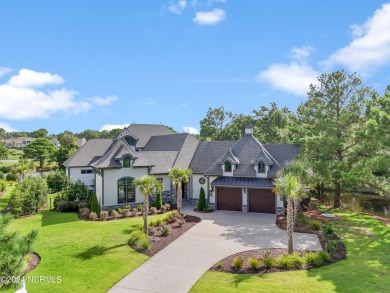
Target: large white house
[236, 175]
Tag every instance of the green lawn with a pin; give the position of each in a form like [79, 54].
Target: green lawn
[6, 197]
[367, 268]
[14, 154]
[87, 256]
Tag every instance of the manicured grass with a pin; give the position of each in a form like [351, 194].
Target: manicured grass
[87, 256]
[14, 154]
[366, 269]
[6, 197]
[7, 164]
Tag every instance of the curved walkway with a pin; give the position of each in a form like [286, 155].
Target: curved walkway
[176, 268]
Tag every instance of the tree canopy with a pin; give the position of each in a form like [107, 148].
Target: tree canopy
[41, 149]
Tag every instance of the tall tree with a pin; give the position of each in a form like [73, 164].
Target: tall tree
[329, 124]
[67, 138]
[3, 151]
[289, 186]
[63, 153]
[213, 125]
[178, 177]
[40, 133]
[13, 250]
[41, 149]
[148, 185]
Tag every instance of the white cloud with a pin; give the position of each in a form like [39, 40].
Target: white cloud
[109, 127]
[30, 78]
[370, 47]
[295, 77]
[191, 130]
[4, 71]
[21, 100]
[6, 127]
[209, 17]
[178, 7]
[103, 101]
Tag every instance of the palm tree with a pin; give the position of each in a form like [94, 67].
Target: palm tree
[289, 186]
[178, 177]
[302, 171]
[24, 167]
[148, 185]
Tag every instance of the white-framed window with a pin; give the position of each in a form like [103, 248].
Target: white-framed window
[86, 171]
[228, 167]
[261, 167]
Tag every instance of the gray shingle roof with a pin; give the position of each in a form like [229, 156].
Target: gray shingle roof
[243, 182]
[91, 151]
[172, 142]
[207, 153]
[124, 133]
[117, 151]
[248, 150]
[187, 152]
[145, 131]
[163, 161]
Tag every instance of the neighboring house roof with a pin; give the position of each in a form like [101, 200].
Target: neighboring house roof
[145, 131]
[80, 142]
[243, 182]
[167, 151]
[116, 152]
[207, 153]
[91, 151]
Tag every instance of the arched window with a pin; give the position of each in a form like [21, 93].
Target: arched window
[228, 166]
[260, 167]
[127, 162]
[126, 190]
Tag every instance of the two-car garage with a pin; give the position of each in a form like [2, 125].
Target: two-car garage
[258, 200]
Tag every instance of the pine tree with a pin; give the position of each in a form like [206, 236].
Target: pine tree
[94, 204]
[158, 200]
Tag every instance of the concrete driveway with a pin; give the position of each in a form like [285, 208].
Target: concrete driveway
[176, 268]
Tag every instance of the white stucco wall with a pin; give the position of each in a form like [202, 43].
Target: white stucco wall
[212, 194]
[166, 182]
[111, 177]
[99, 186]
[196, 185]
[88, 179]
[279, 201]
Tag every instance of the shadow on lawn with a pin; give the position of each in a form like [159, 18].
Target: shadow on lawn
[54, 218]
[367, 266]
[95, 251]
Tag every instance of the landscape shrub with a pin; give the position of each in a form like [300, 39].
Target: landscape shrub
[84, 212]
[327, 228]
[237, 263]
[3, 185]
[57, 180]
[128, 207]
[67, 206]
[163, 209]
[59, 197]
[139, 207]
[135, 212]
[119, 210]
[114, 214]
[29, 196]
[325, 257]
[1, 175]
[94, 204]
[167, 206]
[331, 246]
[77, 190]
[269, 261]
[135, 236]
[165, 230]
[296, 260]
[253, 263]
[303, 219]
[103, 215]
[312, 258]
[152, 224]
[170, 217]
[284, 262]
[158, 200]
[93, 216]
[219, 264]
[6, 169]
[202, 204]
[158, 222]
[143, 244]
[124, 212]
[316, 225]
[181, 221]
[83, 204]
[153, 210]
[11, 177]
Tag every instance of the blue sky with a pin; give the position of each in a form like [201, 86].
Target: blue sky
[76, 65]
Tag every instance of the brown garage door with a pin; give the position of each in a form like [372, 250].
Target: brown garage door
[261, 201]
[229, 199]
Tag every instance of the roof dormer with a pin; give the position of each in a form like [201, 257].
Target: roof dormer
[248, 129]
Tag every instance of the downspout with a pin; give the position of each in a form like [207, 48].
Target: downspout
[102, 187]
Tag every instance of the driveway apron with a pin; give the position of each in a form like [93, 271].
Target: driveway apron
[177, 267]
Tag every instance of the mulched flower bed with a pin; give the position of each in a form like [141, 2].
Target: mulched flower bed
[159, 241]
[205, 212]
[33, 261]
[281, 222]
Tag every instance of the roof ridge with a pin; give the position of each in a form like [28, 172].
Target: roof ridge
[265, 150]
